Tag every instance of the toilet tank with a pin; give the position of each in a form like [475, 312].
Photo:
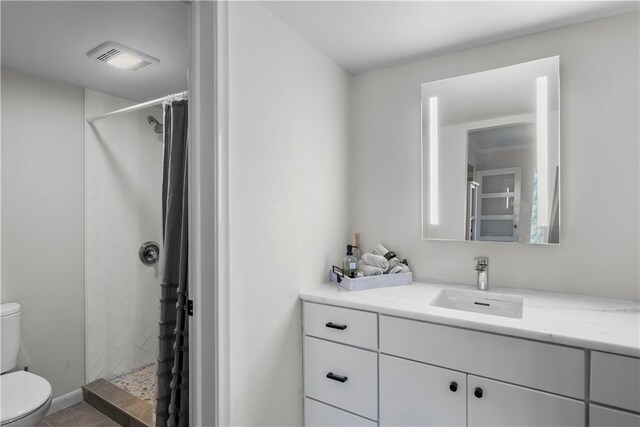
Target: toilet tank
[10, 314]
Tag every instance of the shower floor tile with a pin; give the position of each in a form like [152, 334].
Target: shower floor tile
[141, 383]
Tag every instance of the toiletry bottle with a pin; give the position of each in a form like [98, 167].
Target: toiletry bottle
[350, 263]
[356, 248]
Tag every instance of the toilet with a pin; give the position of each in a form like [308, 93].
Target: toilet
[26, 397]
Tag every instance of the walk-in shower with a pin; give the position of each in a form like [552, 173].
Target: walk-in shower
[123, 167]
[128, 283]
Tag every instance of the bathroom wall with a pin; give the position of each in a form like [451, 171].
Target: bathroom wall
[123, 210]
[599, 248]
[42, 223]
[289, 205]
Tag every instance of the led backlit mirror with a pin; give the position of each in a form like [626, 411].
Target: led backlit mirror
[491, 155]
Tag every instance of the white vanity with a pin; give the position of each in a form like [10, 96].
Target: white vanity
[388, 357]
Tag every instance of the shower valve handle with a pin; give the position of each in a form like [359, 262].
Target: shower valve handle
[149, 253]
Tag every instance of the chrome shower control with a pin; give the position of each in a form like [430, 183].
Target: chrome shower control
[149, 253]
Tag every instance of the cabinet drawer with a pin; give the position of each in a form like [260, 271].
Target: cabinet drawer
[353, 327]
[321, 415]
[615, 380]
[358, 393]
[503, 404]
[606, 417]
[537, 365]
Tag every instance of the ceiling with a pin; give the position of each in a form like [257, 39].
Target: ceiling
[363, 36]
[499, 93]
[51, 39]
[503, 137]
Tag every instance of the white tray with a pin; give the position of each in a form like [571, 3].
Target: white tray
[372, 282]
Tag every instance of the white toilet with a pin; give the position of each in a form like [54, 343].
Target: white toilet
[26, 397]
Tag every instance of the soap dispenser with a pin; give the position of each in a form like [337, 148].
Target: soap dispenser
[350, 263]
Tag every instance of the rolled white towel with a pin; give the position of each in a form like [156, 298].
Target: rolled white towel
[381, 250]
[376, 261]
[394, 262]
[400, 268]
[369, 270]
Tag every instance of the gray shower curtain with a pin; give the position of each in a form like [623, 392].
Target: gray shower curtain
[172, 393]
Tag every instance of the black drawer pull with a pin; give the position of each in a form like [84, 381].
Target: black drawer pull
[453, 386]
[478, 392]
[335, 377]
[335, 326]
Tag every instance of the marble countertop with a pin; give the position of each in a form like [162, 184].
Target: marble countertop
[610, 325]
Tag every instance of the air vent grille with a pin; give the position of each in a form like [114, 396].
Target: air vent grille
[105, 56]
[121, 56]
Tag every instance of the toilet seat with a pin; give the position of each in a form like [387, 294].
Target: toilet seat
[22, 394]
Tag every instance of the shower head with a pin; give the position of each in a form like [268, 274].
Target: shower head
[157, 126]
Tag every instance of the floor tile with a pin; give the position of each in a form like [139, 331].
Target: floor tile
[108, 423]
[78, 415]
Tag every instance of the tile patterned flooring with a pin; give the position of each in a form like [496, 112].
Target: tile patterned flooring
[110, 398]
[141, 383]
[80, 414]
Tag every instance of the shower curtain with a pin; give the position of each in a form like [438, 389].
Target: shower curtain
[172, 393]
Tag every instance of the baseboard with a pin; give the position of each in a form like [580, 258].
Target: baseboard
[66, 400]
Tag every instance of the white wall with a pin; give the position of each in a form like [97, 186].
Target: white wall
[599, 249]
[123, 210]
[289, 204]
[42, 223]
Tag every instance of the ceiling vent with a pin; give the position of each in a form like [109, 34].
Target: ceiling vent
[121, 56]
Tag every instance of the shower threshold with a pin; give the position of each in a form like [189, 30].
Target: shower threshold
[119, 405]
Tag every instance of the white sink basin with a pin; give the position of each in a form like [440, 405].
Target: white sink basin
[480, 302]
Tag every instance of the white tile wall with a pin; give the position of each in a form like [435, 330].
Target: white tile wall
[123, 175]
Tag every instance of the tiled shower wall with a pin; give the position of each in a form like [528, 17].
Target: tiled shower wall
[123, 176]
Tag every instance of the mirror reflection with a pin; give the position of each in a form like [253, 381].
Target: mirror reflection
[491, 155]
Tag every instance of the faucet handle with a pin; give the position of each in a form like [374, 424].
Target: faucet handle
[482, 261]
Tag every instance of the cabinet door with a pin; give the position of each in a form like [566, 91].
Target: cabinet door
[607, 417]
[615, 380]
[318, 414]
[492, 403]
[415, 394]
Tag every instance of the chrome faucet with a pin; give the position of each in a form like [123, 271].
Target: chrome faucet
[482, 267]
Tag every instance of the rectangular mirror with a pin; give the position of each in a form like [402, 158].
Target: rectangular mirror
[491, 155]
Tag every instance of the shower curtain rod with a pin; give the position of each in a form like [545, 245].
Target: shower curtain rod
[173, 97]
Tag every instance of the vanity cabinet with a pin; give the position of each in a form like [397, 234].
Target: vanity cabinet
[475, 400]
[547, 367]
[363, 368]
[340, 366]
[417, 394]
